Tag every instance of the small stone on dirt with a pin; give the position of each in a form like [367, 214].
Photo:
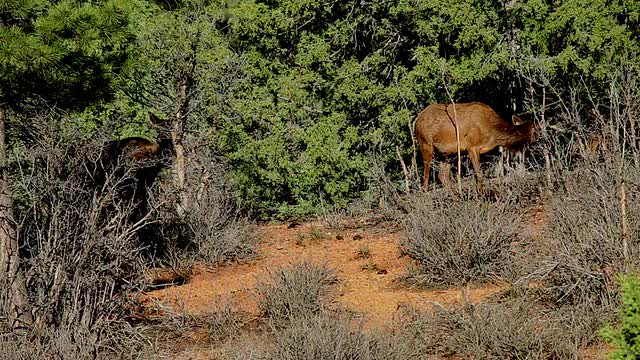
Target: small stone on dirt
[339, 237]
[357, 237]
[293, 225]
[382, 272]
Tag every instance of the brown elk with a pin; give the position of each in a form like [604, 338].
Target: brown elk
[480, 131]
[134, 164]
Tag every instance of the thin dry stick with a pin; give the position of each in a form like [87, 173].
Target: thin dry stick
[404, 169]
[623, 203]
[625, 226]
[632, 124]
[412, 130]
[414, 158]
[547, 165]
[544, 104]
[455, 125]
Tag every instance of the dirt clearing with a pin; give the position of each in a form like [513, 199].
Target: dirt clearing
[368, 263]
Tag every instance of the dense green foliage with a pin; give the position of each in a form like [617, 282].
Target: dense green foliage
[298, 95]
[626, 337]
[60, 56]
[325, 84]
[65, 52]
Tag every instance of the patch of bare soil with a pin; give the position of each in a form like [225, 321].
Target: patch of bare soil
[368, 263]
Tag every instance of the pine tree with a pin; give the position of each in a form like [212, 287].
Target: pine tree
[63, 52]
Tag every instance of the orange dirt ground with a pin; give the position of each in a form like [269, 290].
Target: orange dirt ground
[374, 294]
[370, 292]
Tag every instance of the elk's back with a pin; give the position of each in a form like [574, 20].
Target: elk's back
[435, 125]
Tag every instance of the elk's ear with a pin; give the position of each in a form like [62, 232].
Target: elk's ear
[516, 120]
[162, 125]
[155, 120]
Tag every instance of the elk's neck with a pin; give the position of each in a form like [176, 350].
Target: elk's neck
[166, 146]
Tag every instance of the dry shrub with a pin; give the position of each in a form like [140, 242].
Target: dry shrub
[218, 323]
[172, 330]
[582, 247]
[85, 241]
[295, 291]
[74, 343]
[384, 193]
[510, 330]
[211, 227]
[80, 251]
[460, 240]
[323, 336]
[320, 337]
[521, 190]
[514, 329]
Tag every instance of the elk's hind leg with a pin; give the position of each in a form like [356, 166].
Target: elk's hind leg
[475, 160]
[503, 161]
[426, 150]
[474, 154]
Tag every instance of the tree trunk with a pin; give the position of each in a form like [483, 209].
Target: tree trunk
[177, 136]
[625, 224]
[17, 306]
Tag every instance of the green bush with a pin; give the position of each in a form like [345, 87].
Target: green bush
[625, 338]
[314, 96]
[299, 93]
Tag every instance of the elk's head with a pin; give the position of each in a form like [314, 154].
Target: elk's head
[164, 138]
[140, 148]
[528, 126]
